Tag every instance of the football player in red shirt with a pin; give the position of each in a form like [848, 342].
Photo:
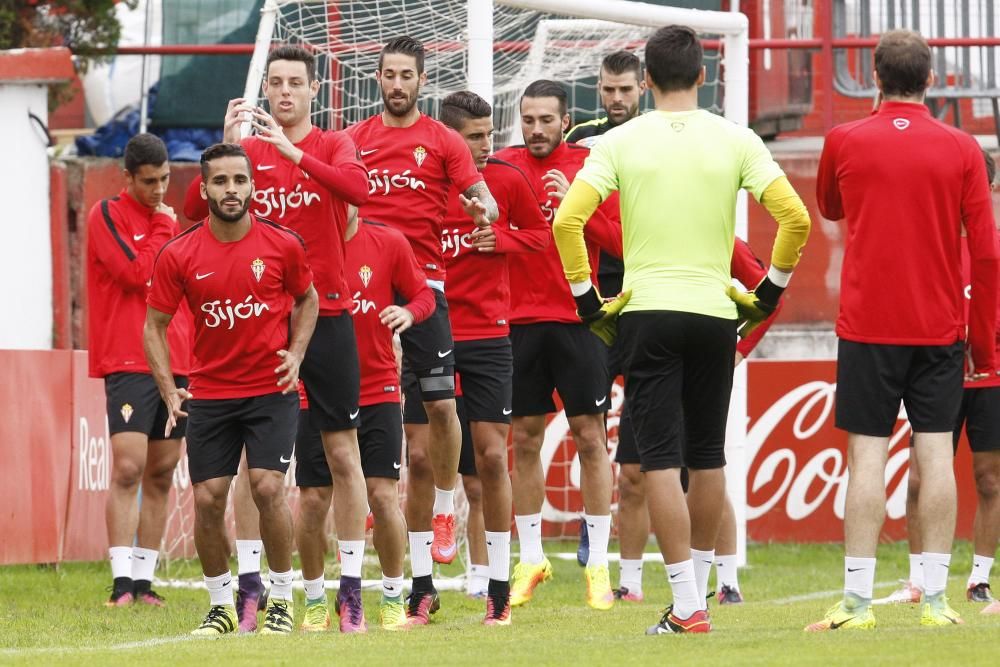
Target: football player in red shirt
[413, 163]
[379, 265]
[248, 282]
[889, 175]
[553, 350]
[124, 234]
[480, 312]
[304, 177]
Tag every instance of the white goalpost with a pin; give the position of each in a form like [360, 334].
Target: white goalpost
[496, 48]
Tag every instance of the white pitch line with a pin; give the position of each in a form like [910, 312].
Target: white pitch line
[127, 646]
[819, 595]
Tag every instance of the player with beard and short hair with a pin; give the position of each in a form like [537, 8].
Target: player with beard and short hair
[413, 164]
[554, 351]
[124, 234]
[248, 281]
[305, 177]
[621, 87]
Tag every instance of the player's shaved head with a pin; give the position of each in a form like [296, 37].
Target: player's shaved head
[407, 46]
[674, 58]
[293, 54]
[462, 106]
[143, 149]
[903, 63]
[217, 151]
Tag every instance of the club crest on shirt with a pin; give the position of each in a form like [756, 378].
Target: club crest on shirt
[677, 126]
[126, 412]
[257, 266]
[419, 154]
[365, 273]
[900, 123]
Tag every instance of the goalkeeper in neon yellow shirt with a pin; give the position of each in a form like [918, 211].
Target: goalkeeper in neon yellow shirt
[678, 170]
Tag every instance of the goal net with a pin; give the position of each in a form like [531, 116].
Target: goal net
[496, 49]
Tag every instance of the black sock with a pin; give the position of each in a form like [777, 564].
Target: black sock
[123, 585]
[499, 588]
[142, 586]
[424, 584]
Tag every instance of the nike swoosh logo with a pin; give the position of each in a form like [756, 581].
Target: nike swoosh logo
[834, 626]
[428, 544]
[675, 574]
[600, 402]
[488, 543]
[449, 551]
[396, 466]
[507, 411]
[368, 152]
[138, 237]
[442, 355]
[228, 581]
[349, 553]
[255, 552]
[535, 524]
[139, 557]
[855, 569]
[284, 460]
[202, 276]
[264, 167]
[591, 525]
[354, 414]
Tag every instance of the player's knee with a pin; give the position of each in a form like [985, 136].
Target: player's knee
[267, 489]
[419, 463]
[492, 463]
[988, 483]
[591, 439]
[314, 503]
[208, 503]
[126, 473]
[526, 444]
[439, 412]
[383, 500]
[630, 487]
[473, 490]
[913, 485]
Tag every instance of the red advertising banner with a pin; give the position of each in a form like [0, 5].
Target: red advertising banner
[797, 460]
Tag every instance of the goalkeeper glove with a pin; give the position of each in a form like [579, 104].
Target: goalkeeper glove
[601, 315]
[756, 306]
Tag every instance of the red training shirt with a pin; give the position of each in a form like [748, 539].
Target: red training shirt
[309, 198]
[539, 291]
[240, 294]
[906, 184]
[380, 264]
[410, 173]
[992, 380]
[478, 282]
[123, 238]
[749, 270]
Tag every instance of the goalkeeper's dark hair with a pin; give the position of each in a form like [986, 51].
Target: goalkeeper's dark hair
[143, 149]
[546, 88]
[218, 151]
[903, 63]
[462, 106]
[295, 54]
[991, 166]
[406, 45]
[620, 62]
[674, 58]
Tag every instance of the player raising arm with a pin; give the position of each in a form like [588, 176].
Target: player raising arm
[248, 281]
[679, 326]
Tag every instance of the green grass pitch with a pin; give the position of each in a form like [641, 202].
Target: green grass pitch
[50, 616]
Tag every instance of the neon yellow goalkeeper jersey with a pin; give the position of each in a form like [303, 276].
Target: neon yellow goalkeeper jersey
[678, 174]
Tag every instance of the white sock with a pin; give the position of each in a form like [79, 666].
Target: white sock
[702, 568]
[498, 552]
[981, 566]
[935, 573]
[220, 589]
[726, 572]
[248, 555]
[421, 564]
[479, 578]
[685, 589]
[121, 562]
[315, 588]
[529, 535]
[630, 575]
[444, 501]
[281, 585]
[917, 571]
[352, 556]
[599, 532]
[859, 577]
[392, 587]
[143, 563]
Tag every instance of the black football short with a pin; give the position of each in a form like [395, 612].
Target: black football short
[380, 439]
[627, 452]
[980, 414]
[332, 374]
[134, 406]
[872, 379]
[678, 380]
[219, 428]
[467, 458]
[563, 357]
[429, 353]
